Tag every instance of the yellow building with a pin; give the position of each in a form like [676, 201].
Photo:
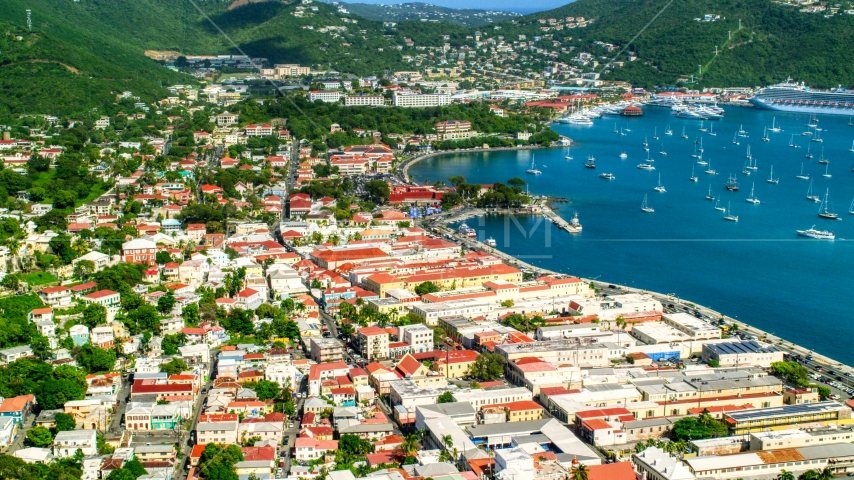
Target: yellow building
[380, 283]
[454, 278]
[520, 411]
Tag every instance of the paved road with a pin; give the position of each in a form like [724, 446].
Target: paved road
[184, 442]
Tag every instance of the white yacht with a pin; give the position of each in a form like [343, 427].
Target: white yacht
[819, 234]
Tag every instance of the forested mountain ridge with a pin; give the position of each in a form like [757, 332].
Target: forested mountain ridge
[79, 54]
[775, 40]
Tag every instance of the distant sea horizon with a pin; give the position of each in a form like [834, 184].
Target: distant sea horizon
[499, 5]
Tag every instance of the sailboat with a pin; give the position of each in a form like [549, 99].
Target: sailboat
[712, 131]
[741, 131]
[645, 143]
[729, 216]
[751, 164]
[683, 132]
[774, 128]
[792, 141]
[822, 159]
[765, 137]
[533, 170]
[852, 147]
[748, 156]
[810, 196]
[655, 134]
[752, 198]
[732, 183]
[591, 162]
[628, 129]
[702, 128]
[568, 156]
[709, 170]
[709, 195]
[660, 187]
[826, 173]
[718, 205]
[701, 145]
[623, 155]
[823, 211]
[771, 178]
[808, 155]
[817, 137]
[693, 177]
[662, 152]
[694, 155]
[668, 131]
[801, 175]
[615, 129]
[851, 208]
[644, 207]
[735, 139]
[700, 160]
[813, 121]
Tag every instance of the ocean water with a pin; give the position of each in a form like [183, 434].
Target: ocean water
[756, 270]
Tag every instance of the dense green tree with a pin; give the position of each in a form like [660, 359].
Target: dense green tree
[145, 318]
[353, 445]
[171, 342]
[792, 372]
[94, 315]
[425, 288]
[83, 269]
[174, 366]
[265, 389]
[378, 191]
[61, 246]
[162, 257]
[39, 437]
[64, 422]
[487, 367]
[445, 397]
[166, 302]
[95, 359]
[698, 428]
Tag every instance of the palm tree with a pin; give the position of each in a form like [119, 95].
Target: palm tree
[80, 247]
[785, 475]
[579, 473]
[448, 441]
[621, 324]
[825, 474]
[14, 247]
[410, 445]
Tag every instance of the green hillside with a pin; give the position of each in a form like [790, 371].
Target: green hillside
[775, 41]
[79, 54]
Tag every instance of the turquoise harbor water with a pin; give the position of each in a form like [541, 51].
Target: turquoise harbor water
[756, 270]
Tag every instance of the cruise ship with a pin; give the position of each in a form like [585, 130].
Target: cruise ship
[798, 98]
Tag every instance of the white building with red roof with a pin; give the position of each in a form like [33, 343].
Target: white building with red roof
[249, 299]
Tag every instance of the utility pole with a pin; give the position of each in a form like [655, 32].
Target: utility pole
[29, 20]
